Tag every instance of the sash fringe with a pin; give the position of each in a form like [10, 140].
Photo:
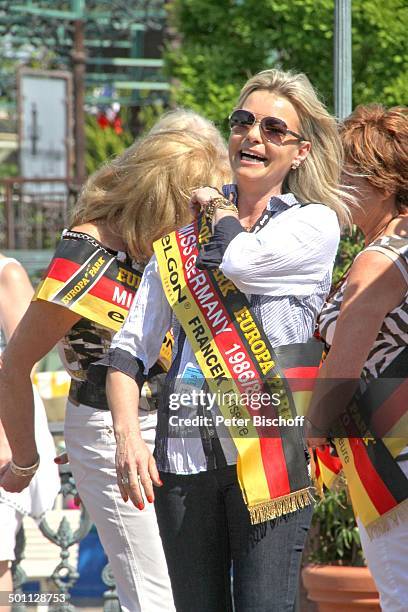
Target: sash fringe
[273, 508]
[339, 483]
[387, 521]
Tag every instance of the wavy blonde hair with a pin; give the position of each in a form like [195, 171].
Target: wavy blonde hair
[318, 177]
[143, 193]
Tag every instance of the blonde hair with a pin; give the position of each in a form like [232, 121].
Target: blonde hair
[318, 177]
[186, 119]
[143, 193]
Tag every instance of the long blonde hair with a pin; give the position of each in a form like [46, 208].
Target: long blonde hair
[318, 177]
[143, 193]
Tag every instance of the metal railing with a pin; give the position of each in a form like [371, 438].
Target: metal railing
[33, 211]
[64, 575]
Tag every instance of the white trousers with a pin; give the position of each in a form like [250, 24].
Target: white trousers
[129, 536]
[387, 559]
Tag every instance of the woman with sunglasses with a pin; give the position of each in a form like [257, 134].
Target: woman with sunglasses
[275, 233]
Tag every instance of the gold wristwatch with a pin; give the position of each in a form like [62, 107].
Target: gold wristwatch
[219, 203]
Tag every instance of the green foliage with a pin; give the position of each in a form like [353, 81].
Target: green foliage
[102, 145]
[223, 42]
[8, 169]
[336, 540]
[150, 113]
[350, 245]
[380, 52]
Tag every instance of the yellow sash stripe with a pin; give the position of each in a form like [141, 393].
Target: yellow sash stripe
[302, 401]
[361, 501]
[252, 476]
[88, 306]
[391, 440]
[46, 289]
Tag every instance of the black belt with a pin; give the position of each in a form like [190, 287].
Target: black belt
[85, 392]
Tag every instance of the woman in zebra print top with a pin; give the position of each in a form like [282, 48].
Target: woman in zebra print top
[392, 337]
[365, 322]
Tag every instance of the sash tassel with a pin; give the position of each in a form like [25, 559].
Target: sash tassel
[273, 508]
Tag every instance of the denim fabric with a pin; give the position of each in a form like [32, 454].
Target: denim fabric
[208, 538]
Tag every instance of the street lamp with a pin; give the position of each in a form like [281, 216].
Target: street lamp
[342, 59]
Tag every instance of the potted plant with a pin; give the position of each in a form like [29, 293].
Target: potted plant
[336, 578]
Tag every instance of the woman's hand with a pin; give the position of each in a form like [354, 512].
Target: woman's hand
[12, 483]
[136, 468]
[200, 199]
[314, 437]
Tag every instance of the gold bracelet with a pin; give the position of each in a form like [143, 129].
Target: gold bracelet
[219, 204]
[24, 471]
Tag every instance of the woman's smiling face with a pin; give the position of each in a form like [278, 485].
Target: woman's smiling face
[252, 157]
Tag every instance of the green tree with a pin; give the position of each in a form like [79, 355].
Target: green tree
[222, 42]
[102, 145]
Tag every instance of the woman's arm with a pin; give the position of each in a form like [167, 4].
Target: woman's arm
[40, 329]
[288, 257]
[15, 296]
[136, 346]
[134, 460]
[134, 350]
[375, 286]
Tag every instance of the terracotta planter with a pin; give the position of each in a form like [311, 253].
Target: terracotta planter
[338, 588]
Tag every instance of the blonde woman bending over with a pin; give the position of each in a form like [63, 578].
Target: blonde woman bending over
[88, 289]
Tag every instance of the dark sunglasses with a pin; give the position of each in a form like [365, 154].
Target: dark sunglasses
[273, 129]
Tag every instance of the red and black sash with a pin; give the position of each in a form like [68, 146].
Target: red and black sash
[89, 280]
[94, 283]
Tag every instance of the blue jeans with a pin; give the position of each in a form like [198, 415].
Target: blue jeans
[206, 533]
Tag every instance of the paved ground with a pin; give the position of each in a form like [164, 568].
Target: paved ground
[81, 605]
[87, 605]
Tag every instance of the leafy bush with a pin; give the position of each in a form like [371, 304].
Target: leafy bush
[335, 539]
[103, 144]
[220, 43]
[350, 246]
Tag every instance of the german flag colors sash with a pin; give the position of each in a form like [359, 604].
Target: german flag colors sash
[90, 280]
[236, 357]
[327, 468]
[376, 431]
